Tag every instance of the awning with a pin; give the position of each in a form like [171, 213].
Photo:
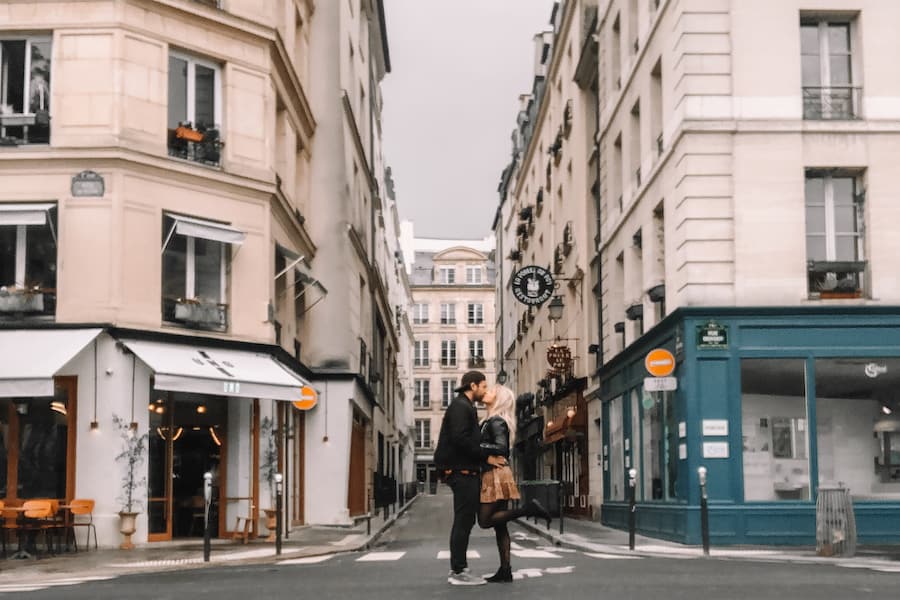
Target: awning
[31, 357]
[301, 268]
[24, 214]
[203, 370]
[208, 230]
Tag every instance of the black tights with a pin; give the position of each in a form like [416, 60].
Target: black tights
[497, 515]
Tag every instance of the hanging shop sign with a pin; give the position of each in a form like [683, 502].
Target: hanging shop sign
[712, 336]
[559, 357]
[88, 184]
[532, 285]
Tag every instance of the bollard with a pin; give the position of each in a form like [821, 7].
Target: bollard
[632, 486]
[562, 501]
[704, 511]
[279, 479]
[368, 523]
[207, 500]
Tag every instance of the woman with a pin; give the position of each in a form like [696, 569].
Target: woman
[498, 486]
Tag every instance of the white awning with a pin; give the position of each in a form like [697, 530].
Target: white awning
[203, 370]
[208, 230]
[24, 214]
[31, 357]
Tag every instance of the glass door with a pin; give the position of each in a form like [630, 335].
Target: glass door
[159, 480]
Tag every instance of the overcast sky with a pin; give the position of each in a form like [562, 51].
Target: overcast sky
[450, 104]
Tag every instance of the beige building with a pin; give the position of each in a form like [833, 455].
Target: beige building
[452, 284]
[163, 246]
[746, 213]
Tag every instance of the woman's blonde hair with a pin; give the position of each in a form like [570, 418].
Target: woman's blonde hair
[504, 406]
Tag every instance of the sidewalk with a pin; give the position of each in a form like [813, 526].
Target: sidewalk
[591, 536]
[188, 554]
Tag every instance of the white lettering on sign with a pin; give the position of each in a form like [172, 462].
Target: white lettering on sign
[715, 449]
[232, 387]
[682, 451]
[715, 427]
[660, 384]
[682, 429]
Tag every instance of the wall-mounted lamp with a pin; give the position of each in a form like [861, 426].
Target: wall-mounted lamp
[555, 308]
[502, 377]
[95, 426]
[571, 412]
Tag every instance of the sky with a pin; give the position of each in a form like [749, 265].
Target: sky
[450, 104]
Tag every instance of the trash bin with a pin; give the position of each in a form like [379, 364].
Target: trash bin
[835, 522]
[545, 491]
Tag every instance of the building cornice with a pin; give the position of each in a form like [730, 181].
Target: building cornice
[296, 95]
[358, 143]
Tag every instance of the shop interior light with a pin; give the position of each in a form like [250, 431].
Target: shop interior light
[571, 412]
[215, 438]
[162, 431]
[160, 410]
[95, 426]
[201, 409]
[886, 409]
[152, 407]
[59, 407]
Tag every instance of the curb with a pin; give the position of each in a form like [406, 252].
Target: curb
[385, 526]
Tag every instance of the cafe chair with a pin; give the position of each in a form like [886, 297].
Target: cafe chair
[4, 530]
[84, 508]
[39, 519]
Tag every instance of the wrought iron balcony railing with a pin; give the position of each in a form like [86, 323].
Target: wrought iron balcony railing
[831, 103]
[202, 145]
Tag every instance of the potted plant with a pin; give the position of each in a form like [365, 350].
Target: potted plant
[134, 447]
[269, 468]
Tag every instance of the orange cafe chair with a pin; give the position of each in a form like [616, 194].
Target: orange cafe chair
[83, 507]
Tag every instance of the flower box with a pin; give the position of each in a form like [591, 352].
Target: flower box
[206, 314]
[20, 302]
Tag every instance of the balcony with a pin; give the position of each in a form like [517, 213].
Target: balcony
[832, 280]
[831, 103]
[197, 314]
[476, 362]
[201, 145]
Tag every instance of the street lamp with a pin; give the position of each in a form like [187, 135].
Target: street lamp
[501, 377]
[279, 479]
[556, 307]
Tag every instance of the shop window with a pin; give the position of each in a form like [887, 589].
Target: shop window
[834, 238]
[775, 430]
[25, 90]
[194, 113]
[195, 271]
[654, 444]
[27, 259]
[858, 425]
[616, 451]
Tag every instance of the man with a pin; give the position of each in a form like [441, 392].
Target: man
[458, 458]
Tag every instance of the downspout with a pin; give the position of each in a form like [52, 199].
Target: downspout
[597, 240]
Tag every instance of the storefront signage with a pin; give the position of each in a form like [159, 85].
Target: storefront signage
[715, 427]
[715, 449]
[660, 384]
[873, 370]
[682, 429]
[712, 336]
[308, 398]
[231, 387]
[532, 285]
[659, 362]
[87, 184]
[682, 451]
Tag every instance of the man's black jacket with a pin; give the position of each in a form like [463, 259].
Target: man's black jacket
[459, 443]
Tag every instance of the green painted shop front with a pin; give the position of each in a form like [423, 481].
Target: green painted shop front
[775, 403]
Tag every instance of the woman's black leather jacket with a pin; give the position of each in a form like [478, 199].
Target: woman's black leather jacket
[495, 437]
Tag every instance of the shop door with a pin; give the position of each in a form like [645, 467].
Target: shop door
[299, 460]
[356, 500]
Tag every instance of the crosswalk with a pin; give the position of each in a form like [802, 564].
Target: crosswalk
[12, 588]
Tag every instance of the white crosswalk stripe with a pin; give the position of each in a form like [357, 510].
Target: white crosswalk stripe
[603, 555]
[445, 554]
[10, 588]
[381, 556]
[307, 560]
[534, 554]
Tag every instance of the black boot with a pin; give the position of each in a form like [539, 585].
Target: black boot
[503, 575]
[536, 509]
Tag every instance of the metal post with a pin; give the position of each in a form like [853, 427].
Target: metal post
[207, 500]
[368, 523]
[279, 482]
[632, 486]
[704, 511]
[562, 500]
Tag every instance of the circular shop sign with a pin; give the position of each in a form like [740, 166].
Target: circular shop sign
[532, 285]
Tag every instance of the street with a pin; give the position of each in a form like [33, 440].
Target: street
[410, 562]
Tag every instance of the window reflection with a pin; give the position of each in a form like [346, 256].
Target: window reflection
[43, 446]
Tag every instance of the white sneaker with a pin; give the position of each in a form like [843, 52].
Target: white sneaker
[464, 577]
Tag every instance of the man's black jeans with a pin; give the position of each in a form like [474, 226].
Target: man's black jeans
[466, 503]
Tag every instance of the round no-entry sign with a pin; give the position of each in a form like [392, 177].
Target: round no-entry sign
[308, 398]
[659, 362]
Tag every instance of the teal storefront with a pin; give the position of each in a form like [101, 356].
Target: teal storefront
[774, 402]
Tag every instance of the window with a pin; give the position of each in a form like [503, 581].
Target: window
[28, 258]
[827, 70]
[774, 429]
[420, 313]
[616, 464]
[195, 107]
[423, 433]
[448, 275]
[476, 314]
[834, 241]
[194, 271]
[448, 353]
[448, 314]
[420, 356]
[476, 354]
[615, 59]
[423, 393]
[473, 275]
[25, 90]
[447, 387]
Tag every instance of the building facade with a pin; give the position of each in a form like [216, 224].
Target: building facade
[162, 263]
[452, 284]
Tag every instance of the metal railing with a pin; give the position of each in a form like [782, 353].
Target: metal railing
[198, 145]
[831, 103]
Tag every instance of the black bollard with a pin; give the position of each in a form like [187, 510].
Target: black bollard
[632, 486]
[704, 511]
[207, 500]
[278, 494]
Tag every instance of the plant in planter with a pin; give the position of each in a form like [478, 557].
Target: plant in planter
[134, 447]
[269, 468]
[21, 299]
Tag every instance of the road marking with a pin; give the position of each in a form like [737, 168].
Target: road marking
[516, 546]
[610, 556]
[380, 556]
[534, 554]
[34, 587]
[523, 536]
[557, 549]
[527, 574]
[445, 554]
[307, 560]
[559, 570]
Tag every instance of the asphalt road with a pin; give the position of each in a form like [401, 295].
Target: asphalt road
[405, 564]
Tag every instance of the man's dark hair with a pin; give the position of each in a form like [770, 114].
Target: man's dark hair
[470, 378]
